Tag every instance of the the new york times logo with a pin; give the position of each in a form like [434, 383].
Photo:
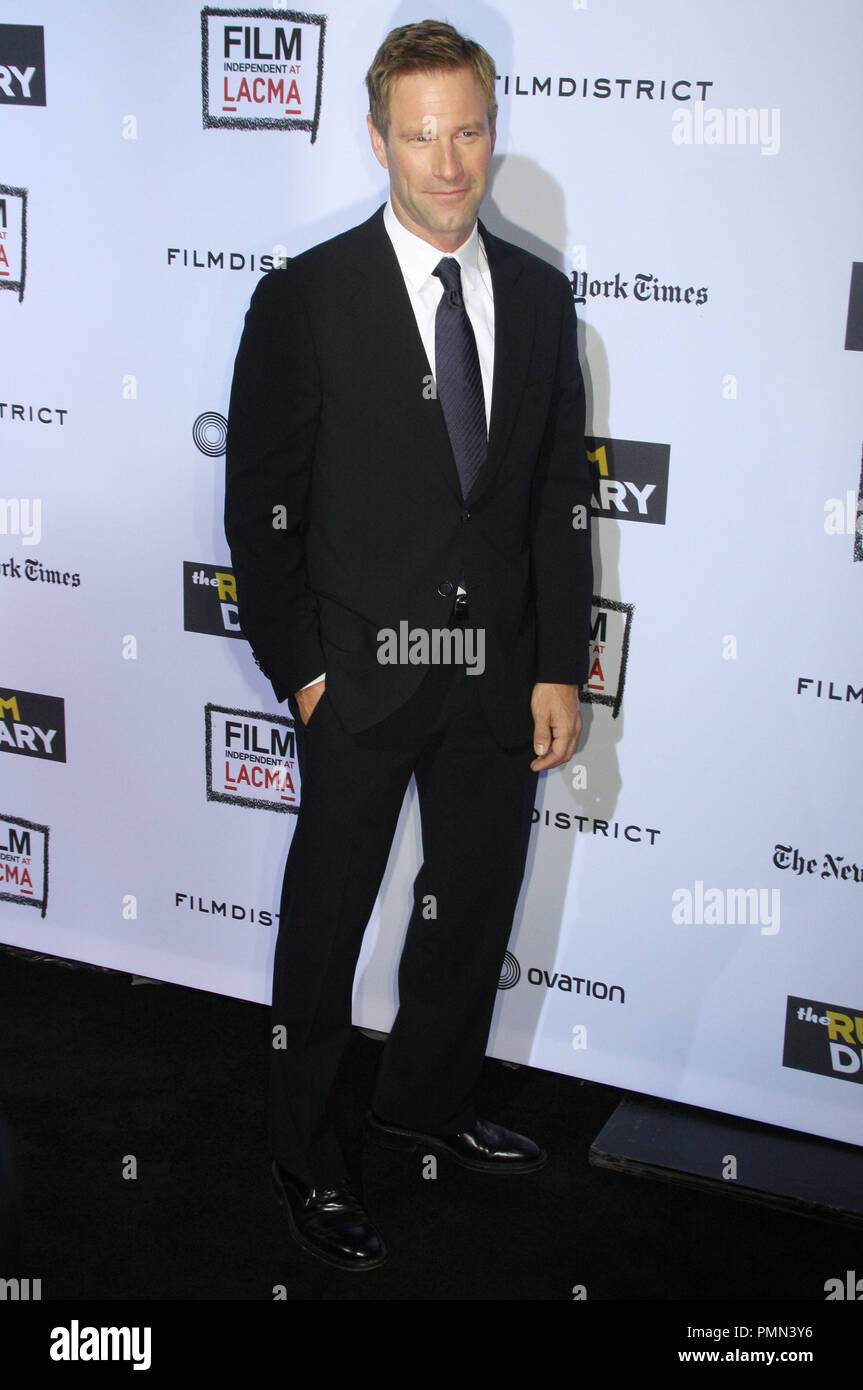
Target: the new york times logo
[262, 69]
[33, 725]
[830, 866]
[252, 759]
[22, 65]
[824, 1038]
[23, 862]
[644, 288]
[630, 479]
[210, 600]
[37, 573]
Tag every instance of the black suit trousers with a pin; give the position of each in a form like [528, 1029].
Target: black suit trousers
[475, 801]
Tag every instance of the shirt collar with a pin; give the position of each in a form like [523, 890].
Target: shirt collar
[418, 258]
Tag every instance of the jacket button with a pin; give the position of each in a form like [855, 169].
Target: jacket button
[445, 588]
[465, 516]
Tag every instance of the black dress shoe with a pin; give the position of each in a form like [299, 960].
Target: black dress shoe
[329, 1222]
[485, 1147]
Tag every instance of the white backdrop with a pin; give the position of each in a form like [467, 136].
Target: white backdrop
[713, 253]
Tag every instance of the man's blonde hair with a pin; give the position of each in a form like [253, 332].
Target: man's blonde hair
[430, 46]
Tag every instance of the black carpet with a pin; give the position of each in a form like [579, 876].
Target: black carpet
[134, 1114]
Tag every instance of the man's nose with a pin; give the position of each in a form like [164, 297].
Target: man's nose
[447, 162]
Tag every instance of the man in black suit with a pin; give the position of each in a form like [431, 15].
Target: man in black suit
[407, 507]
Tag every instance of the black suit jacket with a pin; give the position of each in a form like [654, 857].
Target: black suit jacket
[343, 508]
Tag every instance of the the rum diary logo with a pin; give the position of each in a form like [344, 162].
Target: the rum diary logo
[33, 725]
[630, 479]
[824, 1038]
[22, 65]
[210, 600]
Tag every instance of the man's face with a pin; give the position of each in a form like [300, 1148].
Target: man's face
[438, 152]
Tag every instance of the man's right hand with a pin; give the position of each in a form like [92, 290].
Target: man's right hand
[308, 698]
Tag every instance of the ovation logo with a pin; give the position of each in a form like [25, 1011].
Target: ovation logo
[572, 984]
[510, 972]
[262, 69]
[210, 433]
[510, 975]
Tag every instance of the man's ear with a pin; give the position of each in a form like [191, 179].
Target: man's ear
[378, 145]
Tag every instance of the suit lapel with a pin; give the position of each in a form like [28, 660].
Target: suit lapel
[397, 355]
[514, 328]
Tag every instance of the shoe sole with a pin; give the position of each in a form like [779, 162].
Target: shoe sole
[350, 1266]
[406, 1141]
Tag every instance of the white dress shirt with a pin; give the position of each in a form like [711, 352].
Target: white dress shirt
[417, 260]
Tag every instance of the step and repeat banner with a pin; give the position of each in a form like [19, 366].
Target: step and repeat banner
[691, 921]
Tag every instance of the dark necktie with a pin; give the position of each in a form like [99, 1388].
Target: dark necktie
[458, 378]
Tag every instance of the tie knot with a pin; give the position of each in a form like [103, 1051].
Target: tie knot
[448, 272]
